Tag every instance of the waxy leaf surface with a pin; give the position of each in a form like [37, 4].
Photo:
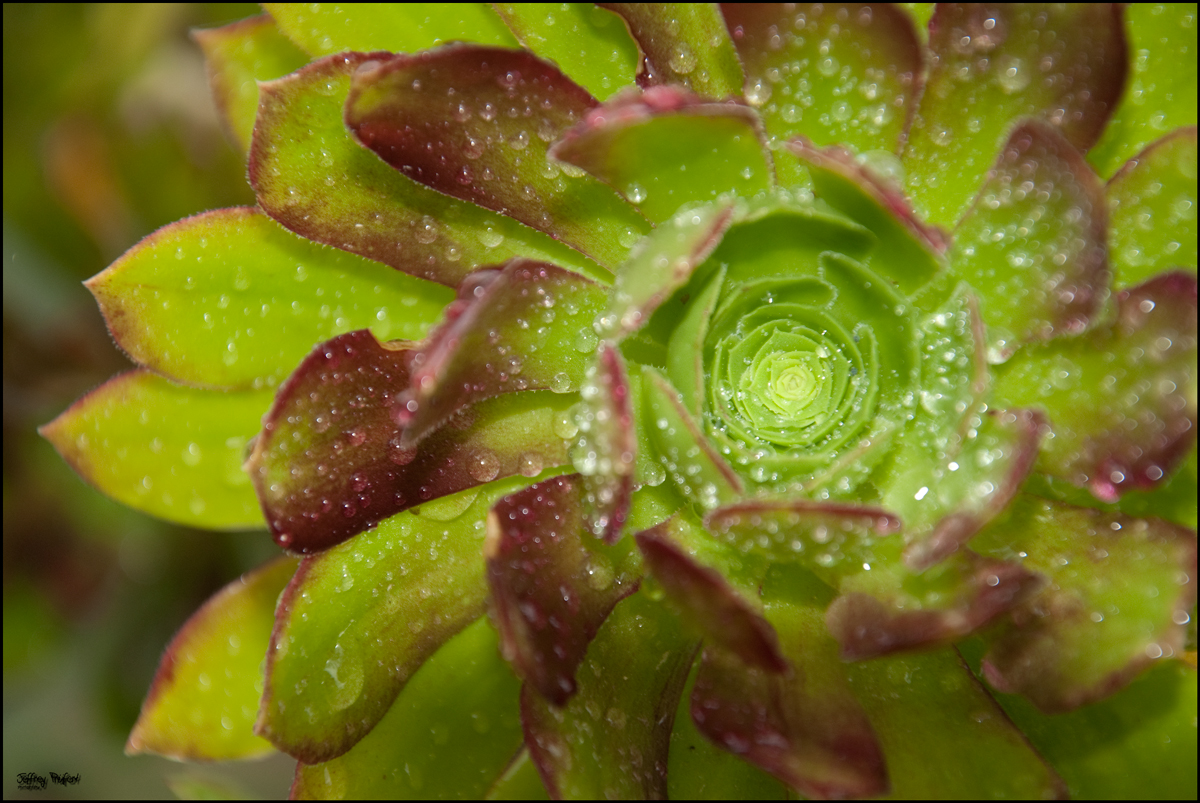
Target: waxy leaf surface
[237, 56]
[325, 28]
[204, 698]
[358, 620]
[548, 597]
[1120, 590]
[311, 175]
[1033, 245]
[449, 735]
[685, 44]
[1152, 210]
[231, 299]
[475, 123]
[992, 64]
[612, 738]
[588, 43]
[666, 148]
[167, 450]
[501, 336]
[1121, 399]
[847, 74]
[329, 462]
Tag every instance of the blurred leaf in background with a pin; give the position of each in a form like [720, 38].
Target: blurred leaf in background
[109, 133]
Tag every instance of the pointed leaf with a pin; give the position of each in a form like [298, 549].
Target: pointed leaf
[661, 265]
[1033, 245]
[613, 737]
[520, 781]
[943, 734]
[1152, 210]
[589, 44]
[449, 734]
[700, 770]
[312, 176]
[166, 450]
[846, 75]
[666, 147]
[475, 123]
[709, 602]
[548, 597]
[1150, 754]
[909, 250]
[993, 64]
[329, 462]
[683, 43]
[804, 727]
[238, 56]
[1119, 595]
[606, 452]
[204, 698]
[1161, 94]
[358, 620]
[325, 29]
[199, 300]
[885, 609]
[525, 327]
[689, 458]
[1121, 400]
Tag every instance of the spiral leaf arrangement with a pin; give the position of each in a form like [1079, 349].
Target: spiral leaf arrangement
[698, 401]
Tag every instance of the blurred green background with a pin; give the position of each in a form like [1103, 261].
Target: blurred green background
[109, 133]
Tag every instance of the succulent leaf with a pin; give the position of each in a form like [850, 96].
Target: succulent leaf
[311, 175]
[205, 694]
[197, 301]
[171, 451]
[820, 312]
[475, 123]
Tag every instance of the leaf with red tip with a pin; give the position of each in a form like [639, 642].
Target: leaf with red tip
[1042, 212]
[994, 64]
[358, 620]
[1119, 595]
[818, 535]
[1152, 210]
[548, 599]
[199, 300]
[683, 43]
[589, 44]
[916, 705]
[329, 462]
[613, 738]
[844, 74]
[312, 176]
[475, 123]
[988, 468]
[884, 610]
[708, 601]
[237, 57]
[909, 251]
[606, 452]
[170, 451]
[202, 703]
[1121, 400]
[449, 735]
[525, 327]
[666, 147]
[804, 727]
[661, 265]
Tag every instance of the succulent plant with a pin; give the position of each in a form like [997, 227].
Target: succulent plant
[681, 400]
